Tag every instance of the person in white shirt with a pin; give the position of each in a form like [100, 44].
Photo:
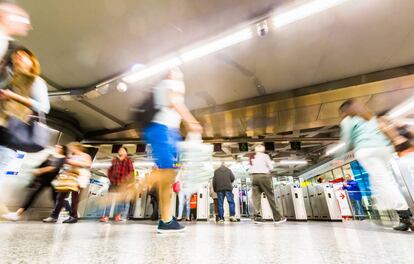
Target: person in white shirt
[261, 166]
[14, 21]
[163, 135]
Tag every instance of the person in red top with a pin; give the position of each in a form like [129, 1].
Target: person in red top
[193, 206]
[121, 175]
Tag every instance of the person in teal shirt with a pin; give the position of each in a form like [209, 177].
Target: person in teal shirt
[373, 150]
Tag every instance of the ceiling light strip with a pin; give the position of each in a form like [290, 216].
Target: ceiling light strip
[304, 11]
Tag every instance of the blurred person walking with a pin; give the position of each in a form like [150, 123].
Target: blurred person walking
[14, 21]
[373, 150]
[121, 176]
[44, 175]
[223, 185]
[77, 165]
[24, 94]
[183, 200]
[214, 196]
[261, 166]
[163, 135]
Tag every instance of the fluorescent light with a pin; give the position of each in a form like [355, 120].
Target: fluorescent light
[399, 111]
[153, 70]
[303, 11]
[217, 45]
[335, 148]
[293, 162]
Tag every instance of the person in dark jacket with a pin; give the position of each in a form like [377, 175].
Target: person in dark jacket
[355, 196]
[44, 175]
[223, 186]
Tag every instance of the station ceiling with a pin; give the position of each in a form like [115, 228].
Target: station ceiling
[82, 43]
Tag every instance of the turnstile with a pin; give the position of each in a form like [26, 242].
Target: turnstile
[328, 207]
[140, 204]
[306, 200]
[293, 202]
[202, 203]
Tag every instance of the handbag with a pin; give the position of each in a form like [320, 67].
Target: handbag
[67, 180]
[29, 137]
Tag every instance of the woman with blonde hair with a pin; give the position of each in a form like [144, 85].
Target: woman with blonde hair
[69, 181]
[22, 92]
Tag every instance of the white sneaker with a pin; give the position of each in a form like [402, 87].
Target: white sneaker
[11, 216]
[281, 221]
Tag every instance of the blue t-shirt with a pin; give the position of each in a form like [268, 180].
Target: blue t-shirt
[354, 192]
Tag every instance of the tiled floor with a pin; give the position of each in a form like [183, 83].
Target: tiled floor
[137, 242]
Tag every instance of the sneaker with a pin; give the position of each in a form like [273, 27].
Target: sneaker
[258, 220]
[11, 216]
[171, 227]
[70, 220]
[221, 221]
[233, 219]
[188, 220]
[280, 221]
[50, 220]
[118, 218]
[179, 219]
[104, 219]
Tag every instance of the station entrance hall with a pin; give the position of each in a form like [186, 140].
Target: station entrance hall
[167, 131]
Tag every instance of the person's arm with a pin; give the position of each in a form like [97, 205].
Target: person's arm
[85, 163]
[269, 162]
[346, 136]
[182, 110]
[39, 101]
[41, 171]
[214, 183]
[232, 178]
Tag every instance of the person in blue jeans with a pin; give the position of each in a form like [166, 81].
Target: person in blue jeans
[355, 196]
[223, 186]
[163, 134]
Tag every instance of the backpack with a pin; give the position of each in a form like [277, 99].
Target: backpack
[143, 113]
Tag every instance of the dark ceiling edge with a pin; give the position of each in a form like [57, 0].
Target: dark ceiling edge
[322, 87]
[317, 88]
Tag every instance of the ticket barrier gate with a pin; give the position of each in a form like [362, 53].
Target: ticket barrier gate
[323, 201]
[92, 205]
[293, 203]
[236, 198]
[203, 205]
[140, 205]
[308, 207]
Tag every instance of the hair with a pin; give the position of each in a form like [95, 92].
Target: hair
[76, 145]
[346, 105]
[35, 70]
[260, 148]
[124, 148]
[64, 150]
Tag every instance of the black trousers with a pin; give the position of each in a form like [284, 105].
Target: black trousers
[61, 201]
[38, 188]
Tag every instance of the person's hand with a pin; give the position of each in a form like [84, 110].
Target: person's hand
[195, 127]
[6, 94]
[36, 173]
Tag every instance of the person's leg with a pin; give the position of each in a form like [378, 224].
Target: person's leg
[256, 196]
[232, 205]
[383, 184]
[215, 201]
[220, 203]
[181, 202]
[75, 203]
[31, 198]
[267, 186]
[166, 178]
[360, 209]
[59, 204]
[187, 207]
